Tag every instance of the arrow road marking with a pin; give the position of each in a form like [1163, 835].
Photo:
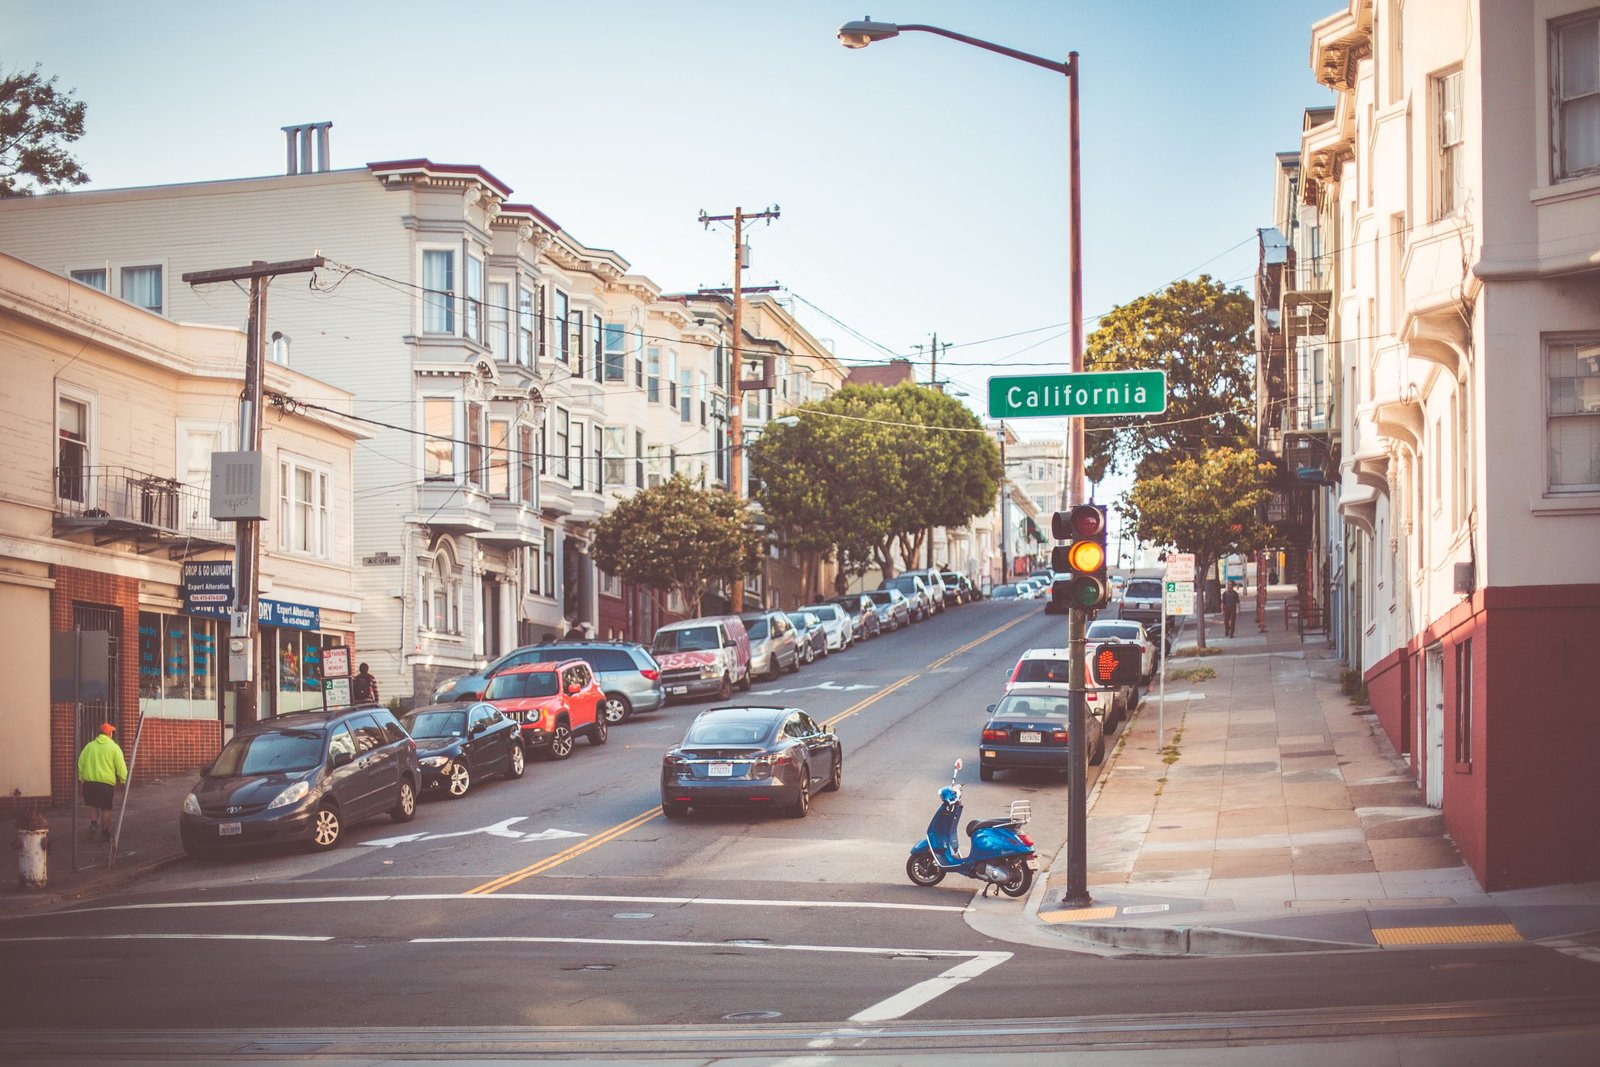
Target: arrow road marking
[827, 687]
[499, 829]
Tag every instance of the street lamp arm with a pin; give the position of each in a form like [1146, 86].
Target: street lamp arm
[990, 46]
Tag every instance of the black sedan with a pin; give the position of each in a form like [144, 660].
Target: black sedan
[755, 756]
[458, 743]
[1028, 728]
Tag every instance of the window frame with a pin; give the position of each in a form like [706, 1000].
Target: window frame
[161, 285]
[434, 444]
[1578, 342]
[318, 534]
[438, 305]
[563, 309]
[1447, 154]
[1463, 705]
[89, 444]
[497, 481]
[1559, 103]
[498, 320]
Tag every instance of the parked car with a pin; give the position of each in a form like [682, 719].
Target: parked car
[966, 590]
[1047, 668]
[710, 654]
[916, 591]
[459, 743]
[1028, 729]
[470, 686]
[940, 596]
[1126, 632]
[836, 624]
[305, 776]
[863, 615]
[628, 674]
[1009, 591]
[1141, 601]
[757, 756]
[1027, 588]
[773, 647]
[553, 703]
[808, 632]
[894, 611]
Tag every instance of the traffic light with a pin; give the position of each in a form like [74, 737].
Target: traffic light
[1115, 664]
[1083, 558]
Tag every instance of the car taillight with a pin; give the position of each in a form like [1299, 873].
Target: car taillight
[994, 734]
[669, 760]
[1058, 735]
[650, 674]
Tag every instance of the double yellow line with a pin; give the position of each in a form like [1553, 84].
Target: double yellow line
[506, 881]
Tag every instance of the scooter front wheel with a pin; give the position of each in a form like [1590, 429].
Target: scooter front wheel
[922, 869]
[1020, 882]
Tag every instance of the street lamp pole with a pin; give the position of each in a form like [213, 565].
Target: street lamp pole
[859, 35]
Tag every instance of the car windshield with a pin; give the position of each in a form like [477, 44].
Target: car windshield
[522, 684]
[1042, 670]
[1003, 591]
[601, 659]
[436, 724]
[1146, 590]
[881, 596]
[691, 639]
[727, 732]
[756, 628]
[851, 606]
[269, 752]
[1128, 631]
[799, 621]
[1031, 707]
[825, 612]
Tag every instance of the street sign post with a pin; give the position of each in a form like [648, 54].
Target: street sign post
[1180, 566]
[1121, 392]
[1180, 598]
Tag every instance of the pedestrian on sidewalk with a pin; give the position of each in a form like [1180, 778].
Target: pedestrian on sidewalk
[1230, 609]
[365, 686]
[101, 769]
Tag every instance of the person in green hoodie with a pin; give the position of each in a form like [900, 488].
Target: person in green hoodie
[101, 769]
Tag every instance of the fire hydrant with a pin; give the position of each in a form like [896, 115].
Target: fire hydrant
[32, 845]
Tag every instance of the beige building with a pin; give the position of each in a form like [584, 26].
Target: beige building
[113, 413]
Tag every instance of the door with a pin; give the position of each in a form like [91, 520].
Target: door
[379, 765]
[1433, 701]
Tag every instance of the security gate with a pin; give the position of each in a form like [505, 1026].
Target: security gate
[94, 712]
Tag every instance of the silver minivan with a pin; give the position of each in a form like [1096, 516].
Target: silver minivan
[774, 647]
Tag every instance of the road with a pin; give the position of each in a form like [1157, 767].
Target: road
[566, 900]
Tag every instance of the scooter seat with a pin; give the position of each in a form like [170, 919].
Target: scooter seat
[983, 824]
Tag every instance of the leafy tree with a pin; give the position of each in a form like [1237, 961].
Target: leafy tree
[678, 536]
[1207, 505]
[1202, 334]
[36, 122]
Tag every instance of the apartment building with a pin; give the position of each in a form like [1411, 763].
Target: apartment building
[1458, 186]
[111, 415]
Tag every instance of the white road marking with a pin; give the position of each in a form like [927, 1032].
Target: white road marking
[499, 829]
[827, 687]
[170, 937]
[1576, 949]
[567, 897]
[910, 999]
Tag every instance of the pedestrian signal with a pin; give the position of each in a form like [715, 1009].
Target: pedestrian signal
[1082, 559]
[1115, 664]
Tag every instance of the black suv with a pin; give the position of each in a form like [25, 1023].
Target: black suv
[304, 776]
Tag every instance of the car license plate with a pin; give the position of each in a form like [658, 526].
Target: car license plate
[1029, 737]
[229, 829]
[677, 690]
[720, 770]
[1032, 862]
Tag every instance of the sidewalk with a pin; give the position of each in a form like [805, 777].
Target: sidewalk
[148, 839]
[1286, 822]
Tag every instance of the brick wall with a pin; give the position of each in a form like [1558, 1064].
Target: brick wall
[75, 586]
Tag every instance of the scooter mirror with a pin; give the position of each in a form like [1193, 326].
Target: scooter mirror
[958, 764]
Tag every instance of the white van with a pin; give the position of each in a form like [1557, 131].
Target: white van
[705, 655]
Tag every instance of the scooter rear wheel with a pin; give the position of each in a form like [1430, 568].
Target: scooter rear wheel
[1021, 880]
[923, 870]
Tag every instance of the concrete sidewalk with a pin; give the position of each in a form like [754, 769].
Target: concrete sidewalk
[1278, 818]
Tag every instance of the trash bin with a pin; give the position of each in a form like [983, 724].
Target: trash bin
[33, 848]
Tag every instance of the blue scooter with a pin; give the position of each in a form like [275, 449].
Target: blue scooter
[1001, 854]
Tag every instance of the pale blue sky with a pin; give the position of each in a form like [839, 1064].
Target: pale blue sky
[922, 182]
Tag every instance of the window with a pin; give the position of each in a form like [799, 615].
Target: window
[685, 396]
[72, 449]
[613, 346]
[1448, 149]
[615, 455]
[441, 592]
[599, 349]
[525, 326]
[549, 548]
[1572, 421]
[563, 342]
[652, 388]
[303, 523]
[178, 666]
[563, 443]
[438, 444]
[1393, 33]
[638, 458]
[500, 320]
[474, 306]
[94, 279]
[574, 340]
[702, 393]
[439, 285]
[1575, 104]
[576, 465]
[1464, 702]
[195, 445]
[477, 462]
[141, 286]
[638, 358]
[526, 465]
[500, 458]
[597, 452]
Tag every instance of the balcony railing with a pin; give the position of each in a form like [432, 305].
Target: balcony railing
[119, 503]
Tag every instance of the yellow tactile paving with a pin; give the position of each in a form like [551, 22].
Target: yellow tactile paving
[1078, 915]
[1445, 935]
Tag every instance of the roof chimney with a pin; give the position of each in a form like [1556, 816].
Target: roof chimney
[300, 140]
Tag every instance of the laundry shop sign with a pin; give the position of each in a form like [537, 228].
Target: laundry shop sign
[1122, 392]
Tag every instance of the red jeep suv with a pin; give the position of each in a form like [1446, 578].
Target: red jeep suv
[553, 702]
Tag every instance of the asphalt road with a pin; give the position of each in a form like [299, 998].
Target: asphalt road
[566, 900]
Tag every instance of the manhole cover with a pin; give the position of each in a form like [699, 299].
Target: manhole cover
[752, 1016]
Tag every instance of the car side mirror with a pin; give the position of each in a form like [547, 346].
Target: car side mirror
[341, 758]
[991, 708]
[574, 690]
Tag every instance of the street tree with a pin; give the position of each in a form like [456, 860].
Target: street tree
[1202, 334]
[678, 536]
[37, 121]
[1207, 505]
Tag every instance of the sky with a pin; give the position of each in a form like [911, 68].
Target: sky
[921, 182]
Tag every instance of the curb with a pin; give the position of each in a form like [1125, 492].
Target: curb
[1197, 940]
[21, 900]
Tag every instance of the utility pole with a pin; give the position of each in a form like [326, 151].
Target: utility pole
[247, 531]
[735, 386]
[1005, 513]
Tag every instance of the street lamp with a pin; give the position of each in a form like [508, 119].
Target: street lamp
[859, 35]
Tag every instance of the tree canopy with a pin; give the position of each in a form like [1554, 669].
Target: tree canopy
[678, 536]
[1208, 505]
[871, 469]
[37, 121]
[1202, 334]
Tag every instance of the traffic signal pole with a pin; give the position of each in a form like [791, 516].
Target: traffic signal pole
[1084, 527]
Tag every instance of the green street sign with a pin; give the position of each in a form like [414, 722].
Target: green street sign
[1116, 392]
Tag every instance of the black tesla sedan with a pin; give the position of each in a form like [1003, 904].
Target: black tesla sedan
[459, 743]
[751, 756]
